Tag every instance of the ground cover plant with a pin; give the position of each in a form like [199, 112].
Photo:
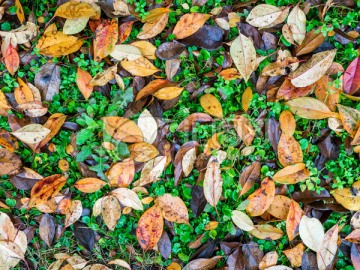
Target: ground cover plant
[179, 134]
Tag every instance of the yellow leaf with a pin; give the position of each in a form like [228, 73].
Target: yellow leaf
[211, 105]
[141, 67]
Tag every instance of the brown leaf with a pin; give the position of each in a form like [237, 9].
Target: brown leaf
[189, 24]
[289, 150]
[288, 91]
[202, 263]
[122, 129]
[212, 144]
[155, 23]
[293, 220]
[190, 122]
[295, 254]
[244, 129]
[74, 213]
[47, 229]
[47, 80]
[279, 208]
[25, 179]
[142, 151]
[252, 255]
[248, 176]
[350, 119]
[152, 170]
[89, 185]
[46, 188]
[9, 162]
[261, 199]
[83, 79]
[125, 31]
[213, 183]
[355, 256]
[110, 211]
[328, 249]
[150, 228]
[292, 174]
[313, 40]
[270, 259]
[54, 123]
[326, 92]
[173, 208]
[354, 236]
[106, 37]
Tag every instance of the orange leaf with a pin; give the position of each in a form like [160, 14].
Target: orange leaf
[295, 254]
[280, 207]
[293, 220]
[141, 67]
[350, 118]
[122, 173]
[248, 176]
[46, 188]
[244, 129]
[246, 99]
[262, 198]
[211, 105]
[287, 123]
[122, 129]
[89, 185]
[11, 59]
[125, 30]
[106, 37]
[19, 11]
[289, 150]
[150, 228]
[83, 79]
[189, 24]
[142, 151]
[155, 23]
[173, 208]
[54, 123]
[190, 122]
[292, 174]
[23, 93]
[75, 10]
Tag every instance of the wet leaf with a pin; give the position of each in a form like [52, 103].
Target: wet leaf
[350, 119]
[252, 255]
[47, 80]
[74, 10]
[349, 197]
[84, 235]
[25, 179]
[170, 50]
[207, 37]
[312, 41]
[279, 208]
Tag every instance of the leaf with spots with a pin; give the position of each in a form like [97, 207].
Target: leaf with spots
[110, 211]
[262, 198]
[106, 37]
[150, 228]
[293, 220]
[289, 150]
[173, 208]
[213, 183]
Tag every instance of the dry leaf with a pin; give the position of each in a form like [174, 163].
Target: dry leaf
[295, 254]
[211, 105]
[309, 108]
[279, 208]
[242, 220]
[328, 248]
[246, 99]
[122, 173]
[106, 37]
[213, 183]
[148, 126]
[152, 170]
[262, 198]
[140, 67]
[122, 129]
[74, 213]
[74, 10]
[293, 220]
[266, 231]
[89, 185]
[244, 129]
[128, 198]
[289, 150]
[83, 79]
[189, 24]
[311, 233]
[292, 174]
[173, 208]
[110, 211]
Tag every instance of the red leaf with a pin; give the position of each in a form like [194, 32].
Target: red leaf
[352, 77]
[11, 59]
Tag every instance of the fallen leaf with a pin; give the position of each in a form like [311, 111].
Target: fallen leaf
[128, 52]
[189, 24]
[173, 208]
[155, 23]
[148, 125]
[348, 197]
[102, 78]
[242, 220]
[122, 173]
[74, 213]
[293, 220]
[89, 185]
[266, 231]
[152, 170]
[84, 235]
[188, 161]
[328, 248]
[121, 263]
[287, 123]
[110, 211]
[289, 150]
[211, 105]
[309, 108]
[74, 26]
[244, 129]
[74, 10]
[297, 22]
[9, 162]
[311, 233]
[350, 119]
[352, 77]
[140, 67]
[295, 254]
[263, 15]
[279, 208]
[243, 53]
[122, 129]
[270, 259]
[261, 199]
[292, 174]
[142, 152]
[168, 93]
[190, 122]
[213, 183]
[54, 124]
[246, 99]
[128, 198]
[47, 80]
[47, 229]
[202, 263]
[106, 37]
[312, 41]
[31, 134]
[313, 69]
[150, 228]
[46, 188]
[83, 79]
[248, 176]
